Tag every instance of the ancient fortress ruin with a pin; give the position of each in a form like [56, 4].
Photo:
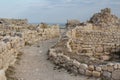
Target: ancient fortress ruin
[91, 48]
[15, 34]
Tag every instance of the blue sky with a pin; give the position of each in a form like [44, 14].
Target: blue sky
[55, 11]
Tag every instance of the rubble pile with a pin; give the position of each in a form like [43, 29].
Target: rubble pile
[105, 19]
[72, 23]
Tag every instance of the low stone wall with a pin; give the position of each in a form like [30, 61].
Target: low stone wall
[8, 52]
[110, 71]
[17, 22]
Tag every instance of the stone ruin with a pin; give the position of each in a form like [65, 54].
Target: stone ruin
[72, 23]
[17, 22]
[92, 49]
[15, 34]
[105, 19]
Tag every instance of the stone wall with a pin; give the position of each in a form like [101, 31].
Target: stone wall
[17, 22]
[91, 49]
[13, 37]
[105, 18]
[109, 71]
[72, 23]
[93, 42]
[8, 52]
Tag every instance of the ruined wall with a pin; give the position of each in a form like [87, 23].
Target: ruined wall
[93, 42]
[92, 49]
[105, 18]
[72, 23]
[108, 71]
[17, 22]
[9, 50]
[15, 36]
[98, 37]
[86, 51]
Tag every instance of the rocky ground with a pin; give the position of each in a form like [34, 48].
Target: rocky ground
[35, 66]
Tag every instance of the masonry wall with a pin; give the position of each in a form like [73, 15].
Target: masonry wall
[93, 42]
[13, 38]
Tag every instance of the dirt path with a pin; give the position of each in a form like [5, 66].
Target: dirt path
[35, 66]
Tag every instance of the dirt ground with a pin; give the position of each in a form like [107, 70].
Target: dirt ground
[35, 66]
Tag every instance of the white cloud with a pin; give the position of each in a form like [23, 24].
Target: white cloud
[57, 10]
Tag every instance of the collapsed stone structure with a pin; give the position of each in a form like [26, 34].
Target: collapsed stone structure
[72, 23]
[105, 18]
[15, 34]
[92, 49]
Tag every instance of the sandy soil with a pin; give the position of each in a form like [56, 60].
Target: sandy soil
[35, 66]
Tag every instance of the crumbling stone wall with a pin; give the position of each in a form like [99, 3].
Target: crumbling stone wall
[88, 49]
[9, 50]
[108, 71]
[91, 42]
[105, 18]
[16, 35]
[98, 37]
[17, 22]
[72, 23]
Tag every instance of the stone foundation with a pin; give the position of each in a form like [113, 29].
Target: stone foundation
[110, 71]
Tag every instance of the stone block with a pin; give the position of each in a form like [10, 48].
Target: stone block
[104, 67]
[116, 74]
[98, 68]
[83, 66]
[110, 68]
[107, 74]
[88, 73]
[91, 67]
[81, 71]
[96, 74]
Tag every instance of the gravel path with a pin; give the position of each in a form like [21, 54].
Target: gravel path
[35, 66]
